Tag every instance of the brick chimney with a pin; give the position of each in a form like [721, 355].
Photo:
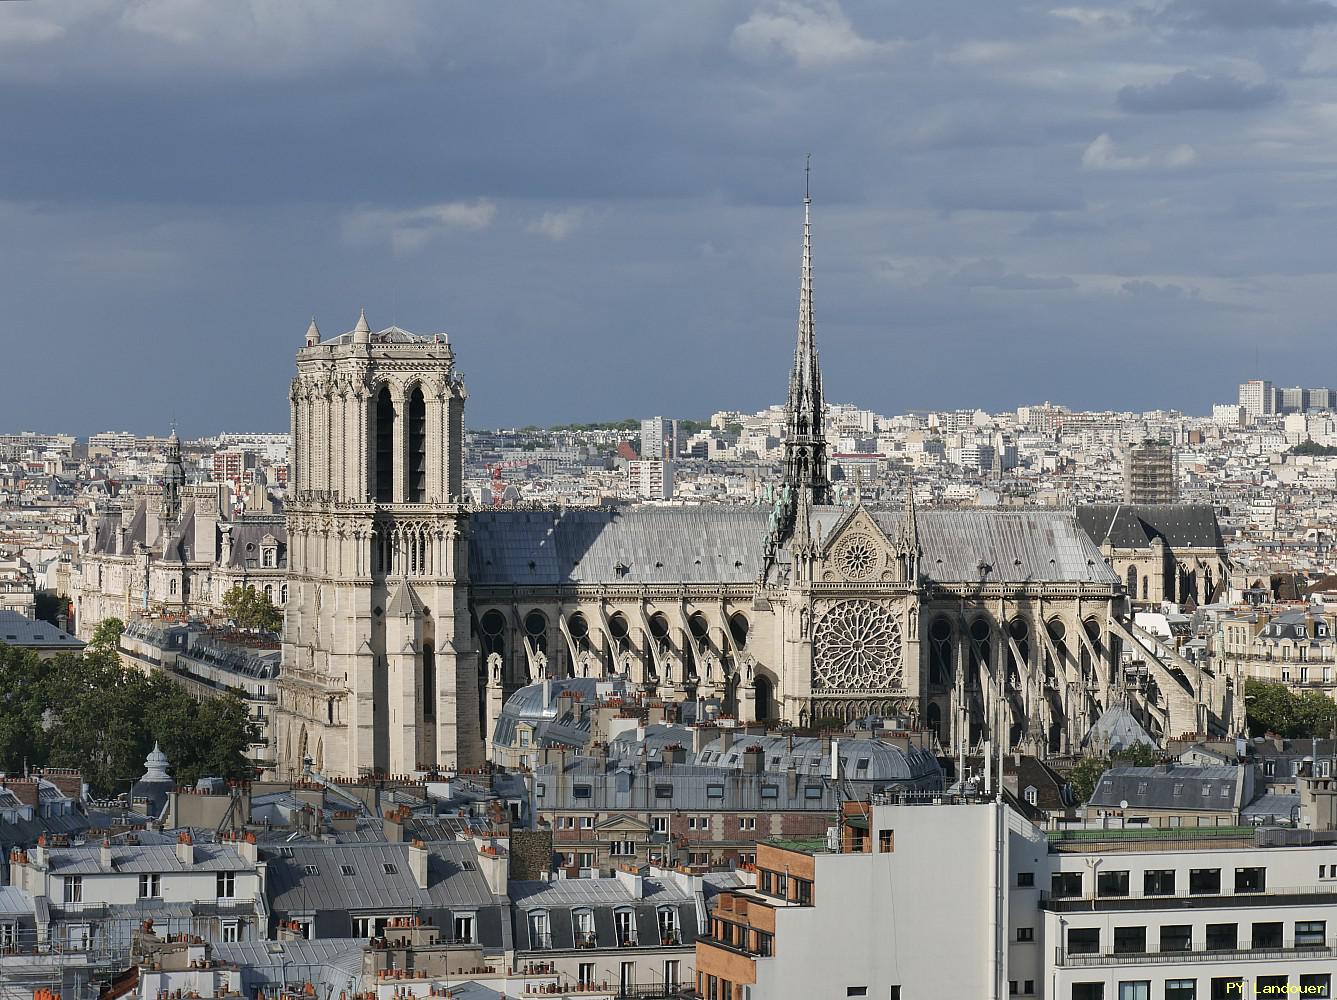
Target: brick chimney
[185, 849]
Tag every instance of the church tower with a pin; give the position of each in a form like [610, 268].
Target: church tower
[380, 670]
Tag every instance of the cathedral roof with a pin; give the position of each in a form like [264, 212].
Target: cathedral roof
[725, 545]
[1133, 526]
[1017, 546]
[637, 545]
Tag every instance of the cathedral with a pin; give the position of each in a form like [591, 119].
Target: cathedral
[413, 615]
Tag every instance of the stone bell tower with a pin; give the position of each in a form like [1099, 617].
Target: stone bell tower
[380, 668]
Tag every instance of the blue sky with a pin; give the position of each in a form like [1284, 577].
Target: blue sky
[1112, 204]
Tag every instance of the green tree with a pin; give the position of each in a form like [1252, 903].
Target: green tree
[107, 635]
[1274, 708]
[250, 608]
[1086, 775]
[87, 711]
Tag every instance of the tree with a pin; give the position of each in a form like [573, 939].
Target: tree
[1275, 708]
[250, 608]
[107, 635]
[87, 711]
[1086, 775]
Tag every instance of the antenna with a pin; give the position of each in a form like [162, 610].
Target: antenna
[807, 175]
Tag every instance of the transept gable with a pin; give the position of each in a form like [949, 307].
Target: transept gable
[857, 549]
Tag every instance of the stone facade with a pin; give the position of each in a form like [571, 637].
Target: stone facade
[380, 666]
[414, 616]
[175, 547]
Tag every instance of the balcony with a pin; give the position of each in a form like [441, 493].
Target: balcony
[1081, 961]
[586, 939]
[1183, 899]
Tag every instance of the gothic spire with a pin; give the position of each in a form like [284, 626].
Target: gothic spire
[805, 440]
[806, 483]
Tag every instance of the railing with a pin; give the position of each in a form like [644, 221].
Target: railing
[1292, 951]
[1250, 897]
[586, 939]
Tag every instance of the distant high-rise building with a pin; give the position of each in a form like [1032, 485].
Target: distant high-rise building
[1149, 473]
[1292, 400]
[659, 440]
[1258, 397]
[1321, 399]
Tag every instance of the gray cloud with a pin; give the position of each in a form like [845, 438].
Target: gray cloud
[616, 188]
[1245, 15]
[1193, 91]
[1157, 291]
[993, 274]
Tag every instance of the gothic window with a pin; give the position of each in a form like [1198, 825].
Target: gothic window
[1057, 632]
[577, 626]
[981, 651]
[536, 628]
[492, 627]
[1019, 632]
[857, 557]
[428, 681]
[1092, 629]
[417, 441]
[940, 650]
[384, 479]
[738, 629]
[1132, 582]
[617, 626]
[858, 647]
[659, 626]
[171, 587]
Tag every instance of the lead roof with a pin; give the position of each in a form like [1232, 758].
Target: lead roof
[719, 544]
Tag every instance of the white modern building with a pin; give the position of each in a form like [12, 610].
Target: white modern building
[958, 897]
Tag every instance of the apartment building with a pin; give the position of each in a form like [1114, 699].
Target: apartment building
[1296, 646]
[94, 895]
[955, 896]
[711, 812]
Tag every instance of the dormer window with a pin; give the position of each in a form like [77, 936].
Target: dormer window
[625, 923]
[540, 936]
[668, 925]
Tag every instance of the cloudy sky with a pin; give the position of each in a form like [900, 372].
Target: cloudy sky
[1123, 204]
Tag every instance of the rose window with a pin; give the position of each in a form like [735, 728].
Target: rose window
[857, 557]
[857, 646]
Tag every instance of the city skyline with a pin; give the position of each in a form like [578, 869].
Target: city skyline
[1082, 204]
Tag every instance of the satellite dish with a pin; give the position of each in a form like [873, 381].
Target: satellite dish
[1123, 803]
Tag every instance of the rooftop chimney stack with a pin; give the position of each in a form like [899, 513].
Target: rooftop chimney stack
[418, 863]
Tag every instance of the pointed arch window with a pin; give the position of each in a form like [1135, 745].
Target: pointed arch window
[428, 681]
[417, 443]
[384, 466]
